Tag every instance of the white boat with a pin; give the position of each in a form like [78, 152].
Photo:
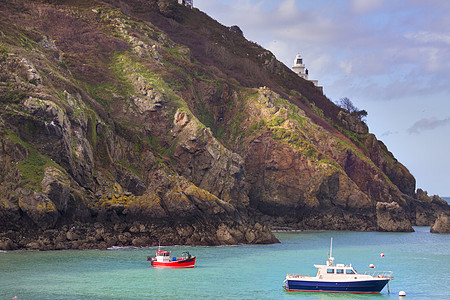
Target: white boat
[338, 278]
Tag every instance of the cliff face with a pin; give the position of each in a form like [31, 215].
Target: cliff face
[146, 122]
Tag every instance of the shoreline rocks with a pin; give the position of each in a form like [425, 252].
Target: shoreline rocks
[442, 224]
[392, 217]
[83, 236]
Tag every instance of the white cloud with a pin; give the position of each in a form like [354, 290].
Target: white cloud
[427, 37]
[428, 124]
[388, 133]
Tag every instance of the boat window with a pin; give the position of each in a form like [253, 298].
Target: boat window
[330, 271]
[349, 271]
[339, 271]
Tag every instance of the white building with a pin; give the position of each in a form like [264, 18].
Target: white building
[300, 69]
[188, 3]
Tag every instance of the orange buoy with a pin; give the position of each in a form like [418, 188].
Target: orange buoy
[382, 255]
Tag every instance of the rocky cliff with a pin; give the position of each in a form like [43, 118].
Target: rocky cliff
[145, 122]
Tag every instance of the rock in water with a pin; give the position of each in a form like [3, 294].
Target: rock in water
[442, 224]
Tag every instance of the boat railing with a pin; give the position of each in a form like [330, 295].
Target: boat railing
[379, 274]
[295, 275]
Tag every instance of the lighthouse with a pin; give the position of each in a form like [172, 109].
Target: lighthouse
[300, 69]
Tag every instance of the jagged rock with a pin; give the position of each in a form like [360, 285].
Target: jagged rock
[442, 224]
[397, 173]
[181, 119]
[32, 74]
[352, 123]
[224, 236]
[392, 217]
[237, 30]
[40, 209]
[428, 208]
[7, 244]
[57, 188]
[72, 236]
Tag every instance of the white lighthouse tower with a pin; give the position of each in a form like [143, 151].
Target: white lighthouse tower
[299, 67]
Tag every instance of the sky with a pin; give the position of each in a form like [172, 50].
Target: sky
[389, 57]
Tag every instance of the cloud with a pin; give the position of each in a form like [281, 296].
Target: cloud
[346, 67]
[388, 133]
[428, 124]
[366, 6]
[429, 37]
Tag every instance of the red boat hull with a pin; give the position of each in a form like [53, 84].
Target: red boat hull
[182, 263]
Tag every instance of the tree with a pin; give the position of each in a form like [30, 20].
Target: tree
[348, 105]
[361, 114]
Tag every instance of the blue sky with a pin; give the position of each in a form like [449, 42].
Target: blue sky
[390, 57]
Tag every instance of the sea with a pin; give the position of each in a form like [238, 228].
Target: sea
[420, 261]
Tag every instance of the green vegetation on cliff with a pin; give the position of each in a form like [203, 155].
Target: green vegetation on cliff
[155, 113]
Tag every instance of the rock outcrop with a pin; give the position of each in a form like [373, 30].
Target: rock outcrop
[391, 217]
[442, 224]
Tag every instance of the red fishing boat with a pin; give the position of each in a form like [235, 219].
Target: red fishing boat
[163, 260]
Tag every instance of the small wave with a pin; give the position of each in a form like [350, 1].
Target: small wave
[122, 248]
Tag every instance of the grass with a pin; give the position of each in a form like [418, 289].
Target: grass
[33, 168]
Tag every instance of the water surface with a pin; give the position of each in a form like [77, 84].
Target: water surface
[419, 261]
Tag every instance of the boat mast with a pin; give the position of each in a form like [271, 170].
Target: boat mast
[331, 248]
[330, 261]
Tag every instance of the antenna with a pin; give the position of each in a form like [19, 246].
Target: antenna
[330, 261]
[331, 248]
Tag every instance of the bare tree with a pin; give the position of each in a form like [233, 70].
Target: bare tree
[348, 105]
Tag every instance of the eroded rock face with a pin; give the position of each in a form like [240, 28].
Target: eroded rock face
[353, 123]
[56, 186]
[115, 135]
[40, 209]
[180, 213]
[392, 217]
[442, 224]
[396, 172]
[427, 208]
[207, 163]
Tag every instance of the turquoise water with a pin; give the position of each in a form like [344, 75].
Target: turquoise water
[420, 262]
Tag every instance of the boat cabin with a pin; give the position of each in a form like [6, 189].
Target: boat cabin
[333, 270]
[163, 256]
[339, 269]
